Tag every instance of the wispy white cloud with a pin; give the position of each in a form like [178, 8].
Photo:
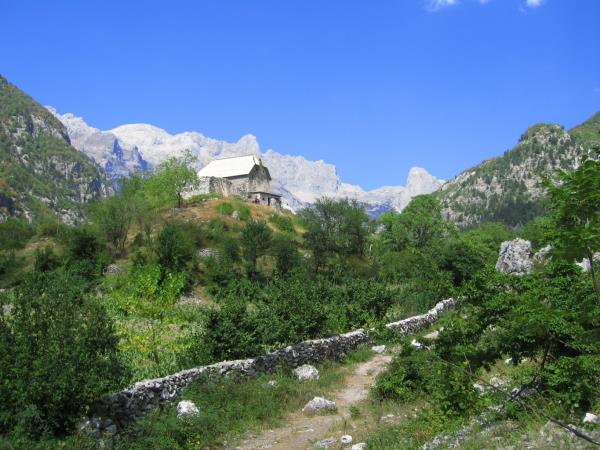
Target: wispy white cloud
[435, 5]
[534, 3]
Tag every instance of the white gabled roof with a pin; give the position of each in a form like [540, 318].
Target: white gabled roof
[229, 167]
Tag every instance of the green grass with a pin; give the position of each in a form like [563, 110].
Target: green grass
[225, 208]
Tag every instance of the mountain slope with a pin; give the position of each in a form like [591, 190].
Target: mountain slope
[41, 173]
[297, 179]
[507, 188]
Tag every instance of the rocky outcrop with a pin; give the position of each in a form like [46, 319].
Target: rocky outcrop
[515, 257]
[124, 407]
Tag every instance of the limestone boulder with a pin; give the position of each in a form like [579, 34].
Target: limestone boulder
[186, 408]
[306, 372]
[515, 257]
[319, 404]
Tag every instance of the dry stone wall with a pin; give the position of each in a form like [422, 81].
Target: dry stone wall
[116, 411]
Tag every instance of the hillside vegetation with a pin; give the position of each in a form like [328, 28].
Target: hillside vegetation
[41, 173]
[508, 188]
[152, 284]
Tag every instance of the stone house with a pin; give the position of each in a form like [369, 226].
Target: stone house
[242, 176]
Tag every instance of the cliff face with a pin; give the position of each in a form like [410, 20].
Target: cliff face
[508, 188]
[41, 173]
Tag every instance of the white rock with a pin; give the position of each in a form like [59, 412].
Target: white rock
[416, 343]
[326, 443]
[498, 382]
[509, 362]
[306, 372]
[346, 439]
[272, 383]
[378, 348]
[319, 404]
[359, 446]
[433, 335]
[515, 257]
[235, 214]
[186, 408]
[591, 418]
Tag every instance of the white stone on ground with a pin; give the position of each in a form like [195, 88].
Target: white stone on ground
[326, 443]
[319, 404]
[346, 439]
[272, 383]
[416, 343]
[186, 408]
[378, 348]
[306, 372]
[359, 446]
[433, 335]
[591, 418]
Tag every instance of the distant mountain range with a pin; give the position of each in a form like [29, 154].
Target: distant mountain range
[129, 148]
[40, 172]
[55, 163]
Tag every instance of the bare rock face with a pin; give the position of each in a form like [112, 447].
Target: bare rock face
[306, 372]
[515, 257]
[319, 404]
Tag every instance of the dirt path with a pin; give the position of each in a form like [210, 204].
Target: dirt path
[302, 432]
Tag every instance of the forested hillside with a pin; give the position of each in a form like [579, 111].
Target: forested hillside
[508, 188]
[41, 174]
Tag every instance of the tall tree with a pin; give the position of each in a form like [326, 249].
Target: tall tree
[174, 177]
[575, 204]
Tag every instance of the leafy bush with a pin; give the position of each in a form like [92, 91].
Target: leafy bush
[86, 252]
[58, 353]
[225, 208]
[46, 260]
[175, 246]
[14, 233]
[244, 212]
[283, 223]
[256, 240]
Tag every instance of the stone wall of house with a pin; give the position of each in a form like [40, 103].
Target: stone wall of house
[116, 411]
[209, 185]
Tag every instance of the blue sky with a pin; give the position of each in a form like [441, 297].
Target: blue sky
[374, 87]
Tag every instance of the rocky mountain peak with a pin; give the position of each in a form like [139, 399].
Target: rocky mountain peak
[132, 147]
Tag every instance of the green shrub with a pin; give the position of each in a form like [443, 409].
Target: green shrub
[58, 353]
[14, 233]
[215, 229]
[175, 246]
[244, 212]
[283, 223]
[45, 260]
[86, 252]
[225, 208]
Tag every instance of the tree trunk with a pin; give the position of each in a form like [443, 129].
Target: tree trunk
[593, 274]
